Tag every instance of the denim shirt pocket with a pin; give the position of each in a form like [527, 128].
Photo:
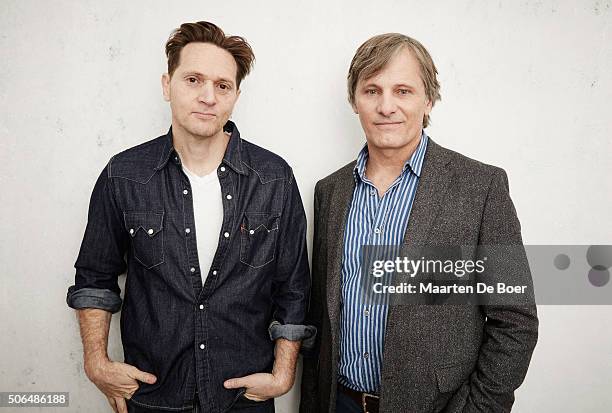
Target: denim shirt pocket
[258, 234]
[146, 231]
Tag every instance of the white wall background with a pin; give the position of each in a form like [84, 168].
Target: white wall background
[526, 86]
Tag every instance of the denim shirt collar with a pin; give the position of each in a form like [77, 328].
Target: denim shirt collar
[232, 157]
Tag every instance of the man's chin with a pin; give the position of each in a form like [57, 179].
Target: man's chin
[206, 132]
[389, 142]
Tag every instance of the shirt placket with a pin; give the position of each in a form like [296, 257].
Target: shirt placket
[202, 293]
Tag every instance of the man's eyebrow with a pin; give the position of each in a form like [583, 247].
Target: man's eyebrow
[369, 84]
[402, 84]
[222, 79]
[406, 85]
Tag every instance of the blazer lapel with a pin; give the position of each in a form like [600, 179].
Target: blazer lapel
[340, 199]
[432, 187]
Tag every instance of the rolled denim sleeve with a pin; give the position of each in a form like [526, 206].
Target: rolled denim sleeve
[292, 278]
[293, 332]
[101, 256]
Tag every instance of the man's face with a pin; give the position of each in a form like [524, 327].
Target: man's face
[202, 90]
[391, 104]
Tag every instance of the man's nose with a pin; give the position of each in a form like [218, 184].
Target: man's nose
[207, 93]
[386, 105]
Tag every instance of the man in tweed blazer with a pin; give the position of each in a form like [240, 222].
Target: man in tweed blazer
[404, 189]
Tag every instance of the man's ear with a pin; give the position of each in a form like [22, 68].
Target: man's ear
[165, 82]
[428, 107]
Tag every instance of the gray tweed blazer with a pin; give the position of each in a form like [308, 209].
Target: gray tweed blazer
[437, 358]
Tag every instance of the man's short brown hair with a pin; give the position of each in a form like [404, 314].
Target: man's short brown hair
[206, 32]
[372, 56]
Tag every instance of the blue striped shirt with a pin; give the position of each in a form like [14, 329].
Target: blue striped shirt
[371, 221]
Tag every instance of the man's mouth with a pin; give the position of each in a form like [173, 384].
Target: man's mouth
[203, 115]
[387, 124]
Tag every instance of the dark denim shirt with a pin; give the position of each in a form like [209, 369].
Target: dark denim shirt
[193, 337]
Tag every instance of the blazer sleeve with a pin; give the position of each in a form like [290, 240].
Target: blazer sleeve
[310, 370]
[510, 331]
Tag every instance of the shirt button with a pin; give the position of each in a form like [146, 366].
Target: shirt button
[366, 355]
[377, 230]
[150, 231]
[226, 235]
[131, 230]
[201, 306]
[215, 272]
[222, 169]
[185, 192]
[251, 232]
[202, 346]
[366, 312]
[229, 196]
[372, 192]
[192, 269]
[187, 230]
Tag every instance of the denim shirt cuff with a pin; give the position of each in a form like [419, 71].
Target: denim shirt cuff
[293, 332]
[93, 298]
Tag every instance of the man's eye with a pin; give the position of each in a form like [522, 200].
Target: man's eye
[403, 91]
[371, 91]
[223, 86]
[192, 79]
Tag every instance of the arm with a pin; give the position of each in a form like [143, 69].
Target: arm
[116, 380]
[95, 295]
[290, 295]
[510, 331]
[264, 386]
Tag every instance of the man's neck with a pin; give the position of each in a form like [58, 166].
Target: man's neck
[385, 165]
[199, 154]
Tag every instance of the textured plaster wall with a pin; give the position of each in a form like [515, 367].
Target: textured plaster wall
[526, 85]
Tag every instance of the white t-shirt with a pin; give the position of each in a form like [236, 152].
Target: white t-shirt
[208, 216]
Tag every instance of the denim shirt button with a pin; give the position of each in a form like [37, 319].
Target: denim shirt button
[192, 269]
[201, 306]
[202, 346]
[226, 235]
[229, 196]
[187, 230]
[185, 192]
[222, 169]
[215, 272]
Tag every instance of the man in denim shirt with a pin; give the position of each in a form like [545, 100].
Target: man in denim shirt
[203, 329]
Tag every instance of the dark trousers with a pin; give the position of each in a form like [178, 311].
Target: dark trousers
[345, 404]
[133, 408]
[242, 405]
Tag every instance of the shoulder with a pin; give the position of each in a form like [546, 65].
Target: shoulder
[463, 167]
[342, 176]
[263, 162]
[139, 162]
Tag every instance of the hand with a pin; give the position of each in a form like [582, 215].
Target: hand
[118, 381]
[261, 386]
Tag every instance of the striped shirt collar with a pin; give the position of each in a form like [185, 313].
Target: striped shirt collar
[415, 163]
